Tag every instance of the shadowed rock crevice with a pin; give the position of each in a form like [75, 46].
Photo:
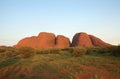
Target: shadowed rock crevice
[75, 40]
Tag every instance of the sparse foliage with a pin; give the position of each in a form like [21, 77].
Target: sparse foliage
[76, 51]
[26, 52]
[115, 50]
[47, 51]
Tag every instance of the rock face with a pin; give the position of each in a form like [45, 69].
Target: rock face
[62, 41]
[45, 40]
[48, 40]
[81, 39]
[98, 42]
[29, 41]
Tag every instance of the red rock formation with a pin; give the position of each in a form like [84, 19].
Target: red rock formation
[98, 42]
[29, 41]
[62, 42]
[46, 40]
[43, 40]
[81, 39]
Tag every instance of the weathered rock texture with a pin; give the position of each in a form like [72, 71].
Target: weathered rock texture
[48, 40]
[29, 41]
[98, 42]
[83, 39]
[62, 41]
[45, 40]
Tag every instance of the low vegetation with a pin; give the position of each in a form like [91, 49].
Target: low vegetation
[77, 51]
[47, 51]
[67, 63]
[6, 52]
[25, 52]
[109, 51]
[8, 62]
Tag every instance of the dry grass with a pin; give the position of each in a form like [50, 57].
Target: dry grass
[59, 64]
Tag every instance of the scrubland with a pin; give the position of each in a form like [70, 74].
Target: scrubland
[67, 63]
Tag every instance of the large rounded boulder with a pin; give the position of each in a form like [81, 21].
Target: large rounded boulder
[46, 40]
[43, 40]
[81, 39]
[62, 42]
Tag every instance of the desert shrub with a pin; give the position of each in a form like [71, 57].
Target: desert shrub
[91, 50]
[78, 52]
[54, 51]
[47, 51]
[70, 49]
[8, 62]
[41, 51]
[8, 52]
[25, 52]
[115, 50]
[2, 50]
[2, 55]
[104, 51]
[65, 53]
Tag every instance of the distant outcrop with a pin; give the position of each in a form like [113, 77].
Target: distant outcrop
[49, 40]
[45, 40]
[81, 39]
[98, 42]
[62, 42]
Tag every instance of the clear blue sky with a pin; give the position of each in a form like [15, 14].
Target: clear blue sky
[22, 18]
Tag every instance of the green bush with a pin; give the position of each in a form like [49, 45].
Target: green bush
[25, 52]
